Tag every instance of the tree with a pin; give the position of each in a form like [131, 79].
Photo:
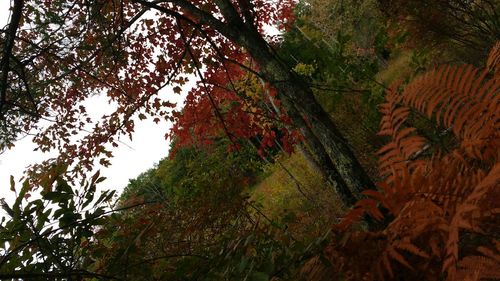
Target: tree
[131, 50]
[49, 238]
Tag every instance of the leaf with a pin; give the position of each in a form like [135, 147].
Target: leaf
[387, 264]
[22, 195]
[409, 247]
[177, 89]
[398, 257]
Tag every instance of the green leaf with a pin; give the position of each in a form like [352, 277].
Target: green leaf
[99, 180]
[105, 196]
[43, 218]
[63, 185]
[17, 204]
[58, 197]
[68, 218]
[58, 213]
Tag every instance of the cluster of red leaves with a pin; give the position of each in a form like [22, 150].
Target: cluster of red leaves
[232, 103]
[130, 52]
[443, 206]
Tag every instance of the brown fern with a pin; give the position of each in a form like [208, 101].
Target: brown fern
[493, 62]
[438, 200]
[477, 267]
[462, 98]
[394, 156]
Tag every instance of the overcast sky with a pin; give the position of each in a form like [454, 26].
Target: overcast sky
[146, 149]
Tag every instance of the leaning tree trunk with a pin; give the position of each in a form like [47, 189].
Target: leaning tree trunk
[327, 168]
[326, 142]
[322, 136]
[330, 149]
[316, 155]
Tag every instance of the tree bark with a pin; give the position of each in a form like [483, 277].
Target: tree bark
[324, 162]
[10, 35]
[316, 155]
[322, 136]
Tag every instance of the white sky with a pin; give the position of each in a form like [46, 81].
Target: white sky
[146, 149]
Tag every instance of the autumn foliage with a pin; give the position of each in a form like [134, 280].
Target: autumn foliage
[441, 205]
[433, 215]
[231, 103]
[135, 54]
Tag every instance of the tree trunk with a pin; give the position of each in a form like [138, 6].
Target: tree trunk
[322, 136]
[316, 155]
[327, 167]
[330, 149]
[326, 142]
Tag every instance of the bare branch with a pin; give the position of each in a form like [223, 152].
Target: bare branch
[7, 50]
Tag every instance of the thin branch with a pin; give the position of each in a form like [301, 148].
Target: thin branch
[205, 86]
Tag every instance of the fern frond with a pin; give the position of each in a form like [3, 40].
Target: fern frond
[404, 143]
[411, 248]
[462, 98]
[493, 61]
[491, 181]
[441, 201]
[481, 266]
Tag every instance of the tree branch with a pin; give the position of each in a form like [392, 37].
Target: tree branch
[7, 50]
